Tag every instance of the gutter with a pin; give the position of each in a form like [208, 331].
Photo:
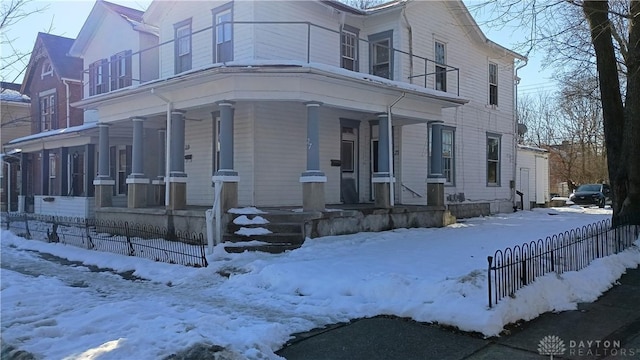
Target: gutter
[392, 194]
[66, 85]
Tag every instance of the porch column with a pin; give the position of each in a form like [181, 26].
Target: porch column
[44, 172]
[159, 183]
[435, 180]
[226, 173]
[137, 182]
[103, 183]
[313, 179]
[24, 178]
[177, 176]
[64, 171]
[382, 180]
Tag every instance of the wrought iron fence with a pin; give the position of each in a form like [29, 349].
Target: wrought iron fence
[513, 268]
[120, 237]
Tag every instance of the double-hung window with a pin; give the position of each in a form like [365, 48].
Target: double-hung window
[448, 153]
[441, 70]
[381, 54]
[98, 75]
[493, 159]
[182, 47]
[47, 111]
[349, 48]
[493, 84]
[121, 70]
[223, 47]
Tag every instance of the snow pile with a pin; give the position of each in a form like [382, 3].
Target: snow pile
[250, 303]
[244, 220]
[251, 231]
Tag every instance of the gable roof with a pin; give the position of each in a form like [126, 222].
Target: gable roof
[100, 9]
[55, 48]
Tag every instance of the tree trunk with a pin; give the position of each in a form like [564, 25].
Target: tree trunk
[621, 126]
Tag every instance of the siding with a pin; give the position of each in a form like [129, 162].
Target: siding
[415, 152]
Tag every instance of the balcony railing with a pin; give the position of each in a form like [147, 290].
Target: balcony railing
[268, 43]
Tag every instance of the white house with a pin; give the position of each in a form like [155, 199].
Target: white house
[304, 103]
[532, 178]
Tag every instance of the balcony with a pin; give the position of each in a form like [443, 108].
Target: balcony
[260, 43]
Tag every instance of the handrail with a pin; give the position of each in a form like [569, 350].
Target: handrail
[413, 192]
[309, 26]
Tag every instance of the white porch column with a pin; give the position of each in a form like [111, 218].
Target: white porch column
[103, 183]
[313, 179]
[226, 173]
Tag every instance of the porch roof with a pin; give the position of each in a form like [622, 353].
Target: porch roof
[48, 134]
[278, 66]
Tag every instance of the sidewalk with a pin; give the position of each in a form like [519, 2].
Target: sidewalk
[614, 318]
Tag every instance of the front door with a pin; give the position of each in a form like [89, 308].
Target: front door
[349, 193]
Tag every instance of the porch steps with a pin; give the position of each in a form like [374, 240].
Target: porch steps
[286, 232]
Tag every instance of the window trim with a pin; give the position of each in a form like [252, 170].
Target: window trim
[374, 38]
[48, 117]
[497, 137]
[440, 67]
[492, 85]
[355, 32]
[451, 129]
[222, 9]
[47, 69]
[179, 60]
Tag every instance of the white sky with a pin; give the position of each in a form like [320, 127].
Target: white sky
[66, 17]
[68, 312]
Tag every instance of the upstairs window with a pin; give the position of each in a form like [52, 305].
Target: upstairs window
[47, 112]
[121, 70]
[182, 46]
[349, 48]
[47, 69]
[223, 49]
[493, 84]
[493, 159]
[381, 52]
[441, 70]
[98, 77]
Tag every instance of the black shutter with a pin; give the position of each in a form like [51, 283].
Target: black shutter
[105, 76]
[92, 79]
[114, 72]
[128, 74]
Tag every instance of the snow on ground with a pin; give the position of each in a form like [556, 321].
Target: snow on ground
[251, 303]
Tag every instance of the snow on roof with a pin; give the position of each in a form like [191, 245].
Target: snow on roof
[531, 148]
[50, 133]
[14, 96]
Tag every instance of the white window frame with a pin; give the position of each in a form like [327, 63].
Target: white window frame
[498, 139]
[47, 111]
[47, 69]
[349, 48]
[493, 83]
[183, 35]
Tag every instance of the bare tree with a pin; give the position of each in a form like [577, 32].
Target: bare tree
[12, 12]
[601, 39]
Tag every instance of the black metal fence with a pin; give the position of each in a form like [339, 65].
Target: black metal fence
[151, 242]
[513, 268]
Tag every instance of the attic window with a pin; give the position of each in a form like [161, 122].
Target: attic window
[47, 69]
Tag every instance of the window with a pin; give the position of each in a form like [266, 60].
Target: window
[493, 84]
[47, 112]
[98, 74]
[448, 153]
[349, 48]
[121, 70]
[223, 49]
[122, 171]
[441, 70]
[493, 159]
[347, 150]
[381, 55]
[47, 69]
[52, 175]
[182, 46]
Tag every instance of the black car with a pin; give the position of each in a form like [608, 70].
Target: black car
[592, 194]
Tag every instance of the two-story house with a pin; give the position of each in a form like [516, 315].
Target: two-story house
[15, 122]
[304, 104]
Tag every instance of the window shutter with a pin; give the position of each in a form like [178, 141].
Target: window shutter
[128, 61]
[105, 76]
[92, 79]
[114, 72]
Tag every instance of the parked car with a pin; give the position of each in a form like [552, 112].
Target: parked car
[592, 194]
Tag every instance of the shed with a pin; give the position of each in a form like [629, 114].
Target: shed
[532, 176]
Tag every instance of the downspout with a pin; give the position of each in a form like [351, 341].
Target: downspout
[515, 138]
[66, 86]
[168, 147]
[410, 32]
[392, 194]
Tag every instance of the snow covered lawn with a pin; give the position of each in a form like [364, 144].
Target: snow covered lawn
[251, 303]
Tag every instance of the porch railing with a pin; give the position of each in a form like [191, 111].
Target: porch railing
[513, 268]
[146, 241]
[264, 42]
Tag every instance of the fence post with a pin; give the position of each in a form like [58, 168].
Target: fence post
[524, 269]
[490, 260]
[26, 227]
[126, 231]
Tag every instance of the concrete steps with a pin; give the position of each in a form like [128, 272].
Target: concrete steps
[286, 232]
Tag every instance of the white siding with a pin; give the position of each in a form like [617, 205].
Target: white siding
[415, 153]
[67, 206]
[537, 163]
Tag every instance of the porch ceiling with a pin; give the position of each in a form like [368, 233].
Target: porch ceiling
[280, 83]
